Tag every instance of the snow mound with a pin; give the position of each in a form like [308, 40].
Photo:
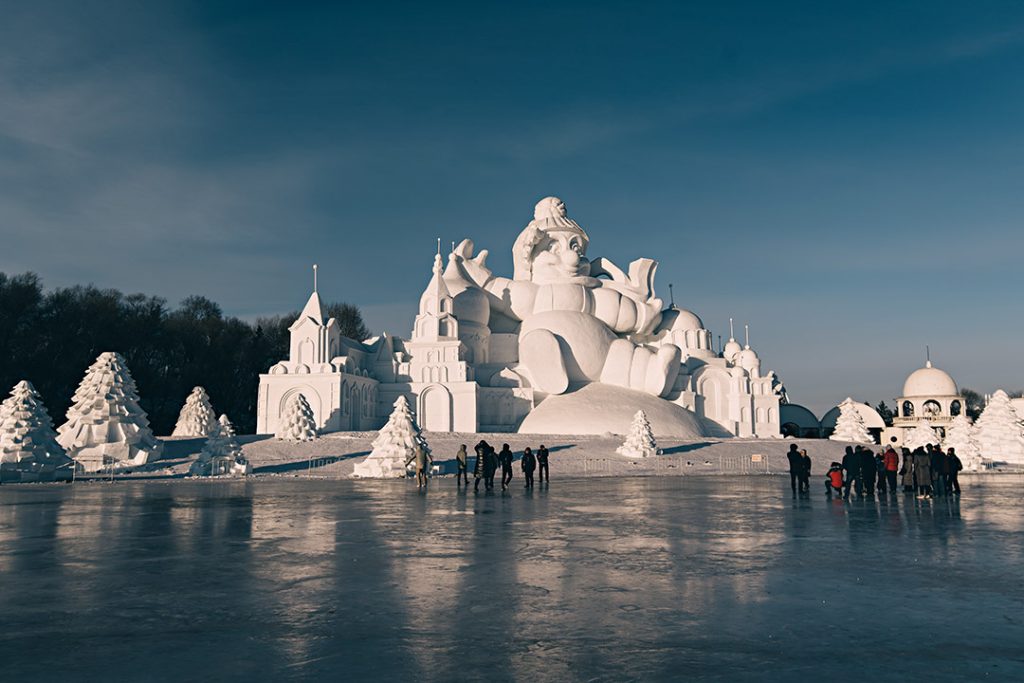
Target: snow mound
[598, 408]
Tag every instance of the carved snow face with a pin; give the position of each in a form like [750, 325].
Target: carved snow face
[561, 255]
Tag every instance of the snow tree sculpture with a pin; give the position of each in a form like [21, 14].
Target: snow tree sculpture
[196, 417]
[999, 431]
[850, 425]
[960, 437]
[221, 454]
[394, 445]
[640, 443]
[297, 422]
[105, 424]
[921, 435]
[26, 431]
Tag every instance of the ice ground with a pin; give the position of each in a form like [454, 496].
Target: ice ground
[644, 578]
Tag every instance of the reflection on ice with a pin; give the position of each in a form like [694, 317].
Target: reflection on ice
[592, 579]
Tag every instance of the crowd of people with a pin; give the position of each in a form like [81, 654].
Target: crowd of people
[926, 472]
[486, 466]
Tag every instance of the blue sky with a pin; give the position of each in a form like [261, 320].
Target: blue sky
[846, 177]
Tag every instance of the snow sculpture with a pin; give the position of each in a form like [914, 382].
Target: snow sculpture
[850, 425]
[221, 454]
[576, 328]
[197, 417]
[999, 431]
[640, 443]
[960, 437]
[26, 431]
[921, 435]
[566, 344]
[297, 422]
[105, 424]
[393, 446]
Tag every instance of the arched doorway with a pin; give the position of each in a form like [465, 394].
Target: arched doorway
[435, 409]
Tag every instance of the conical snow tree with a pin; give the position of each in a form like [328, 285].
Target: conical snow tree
[297, 423]
[850, 425]
[196, 417]
[640, 443]
[921, 435]
[105, 423]
[960, 437]
[26, 431]
[999, 431]
[221, 454]
[394, 445]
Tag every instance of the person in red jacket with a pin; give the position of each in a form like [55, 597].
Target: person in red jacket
[892, 466]
[834, 480]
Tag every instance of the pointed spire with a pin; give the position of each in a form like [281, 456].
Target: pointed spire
[314, 308]
[671, 296]
[927, 356]
[732, 335]
[746, 333]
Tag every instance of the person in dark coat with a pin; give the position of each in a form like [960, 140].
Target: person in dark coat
[805, 472]
[796, 466]
[529, 464]
[542, 464]
[462, 466]
[907, 472]
[955, 466]
[940, 471]
[880, 473]
[478, 466]
[506, 458]
[851, 466]
[923, 472]
[868, 471]
[490, 467]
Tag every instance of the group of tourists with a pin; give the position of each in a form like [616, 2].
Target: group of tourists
[927, 471]
[488, 461]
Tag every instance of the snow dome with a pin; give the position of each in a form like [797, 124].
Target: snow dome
[929, 381]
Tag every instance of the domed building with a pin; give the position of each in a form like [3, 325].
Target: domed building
[928, 394]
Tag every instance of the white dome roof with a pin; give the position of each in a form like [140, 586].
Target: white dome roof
[731, 350]
[747, 359]
[929, 381]
[680, 319]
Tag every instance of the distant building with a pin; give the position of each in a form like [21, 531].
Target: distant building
[928, 394]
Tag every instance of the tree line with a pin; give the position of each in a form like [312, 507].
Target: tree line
[51, 337]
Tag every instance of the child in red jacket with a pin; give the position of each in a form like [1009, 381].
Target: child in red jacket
[834, 479]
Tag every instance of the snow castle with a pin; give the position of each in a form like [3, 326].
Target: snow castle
[567, 345]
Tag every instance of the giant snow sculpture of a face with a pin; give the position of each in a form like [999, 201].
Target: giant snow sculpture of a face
[553, 247]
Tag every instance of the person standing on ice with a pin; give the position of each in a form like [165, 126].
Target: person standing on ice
[954, 471]
[422, 459]
[506, 458]
[796, 466]
[490, 466]
[851, 466]
[478, 467]
[907, 473]
[805, 472]
[462, 463]
[890, 464]
[529, 464]
[923, 473]
[868, 471]
[542, 464]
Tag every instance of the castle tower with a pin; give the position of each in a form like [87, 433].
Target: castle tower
[440, 376]
[315, 340]
[329, 370]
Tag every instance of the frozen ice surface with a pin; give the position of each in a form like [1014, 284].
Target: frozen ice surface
[695, 578]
